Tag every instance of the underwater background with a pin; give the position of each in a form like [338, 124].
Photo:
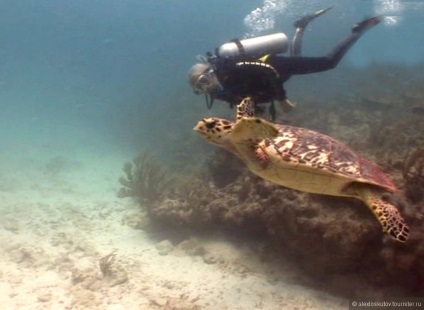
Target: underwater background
[86, 86]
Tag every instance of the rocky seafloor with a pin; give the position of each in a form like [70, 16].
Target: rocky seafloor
[336, 242]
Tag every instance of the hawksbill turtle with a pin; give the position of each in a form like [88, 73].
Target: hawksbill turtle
[305, 160]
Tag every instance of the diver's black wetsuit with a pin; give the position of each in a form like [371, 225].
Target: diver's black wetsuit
[240, 79]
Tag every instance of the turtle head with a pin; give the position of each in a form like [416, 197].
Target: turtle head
[215, 130]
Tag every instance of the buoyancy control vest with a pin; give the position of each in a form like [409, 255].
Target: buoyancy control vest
[252, 49]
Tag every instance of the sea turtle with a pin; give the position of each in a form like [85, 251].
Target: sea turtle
[305, 160]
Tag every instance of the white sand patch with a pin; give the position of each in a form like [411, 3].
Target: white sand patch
[59, 216]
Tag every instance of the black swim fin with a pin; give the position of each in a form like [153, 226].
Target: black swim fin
[367, 24]
[305, 20]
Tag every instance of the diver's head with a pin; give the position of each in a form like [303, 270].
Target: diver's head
[202, 78]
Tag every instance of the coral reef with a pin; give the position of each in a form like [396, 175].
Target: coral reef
[223, 167]
[413, 173]
[287, 217]
[325, 236]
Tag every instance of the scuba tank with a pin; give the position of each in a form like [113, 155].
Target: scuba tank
[255, 47]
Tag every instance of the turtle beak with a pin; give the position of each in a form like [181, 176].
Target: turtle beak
[199, 125]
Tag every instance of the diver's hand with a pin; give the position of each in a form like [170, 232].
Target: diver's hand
[286, 105]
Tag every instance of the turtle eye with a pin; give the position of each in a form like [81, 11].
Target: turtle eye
[210, 124]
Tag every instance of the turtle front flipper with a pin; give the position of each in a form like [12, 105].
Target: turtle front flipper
[388, 215]
[246, 136]
[251, 129]
[246, 108]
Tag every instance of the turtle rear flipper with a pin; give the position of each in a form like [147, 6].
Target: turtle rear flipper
[388, 215]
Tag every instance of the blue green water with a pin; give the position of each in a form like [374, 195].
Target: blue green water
[117, 67]
[85, 85]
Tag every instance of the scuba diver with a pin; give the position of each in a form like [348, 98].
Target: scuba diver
[251, 67]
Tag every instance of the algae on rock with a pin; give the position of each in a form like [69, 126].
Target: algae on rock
[413, 173]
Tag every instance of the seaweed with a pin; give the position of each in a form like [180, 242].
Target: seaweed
[106, 263]
[146, 179]
[112, 271]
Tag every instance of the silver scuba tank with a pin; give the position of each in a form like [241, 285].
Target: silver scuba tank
[255, 47]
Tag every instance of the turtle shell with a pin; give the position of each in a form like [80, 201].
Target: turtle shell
[310, 161]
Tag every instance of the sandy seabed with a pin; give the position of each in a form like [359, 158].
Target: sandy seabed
[59, 216]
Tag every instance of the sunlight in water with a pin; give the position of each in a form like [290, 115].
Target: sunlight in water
[391, 9]
[262, 19]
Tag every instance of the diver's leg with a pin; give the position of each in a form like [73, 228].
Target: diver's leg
[358, 30]
[296, 46]
[272, 111]
[300, 25]
[288, 66]
[305, 20]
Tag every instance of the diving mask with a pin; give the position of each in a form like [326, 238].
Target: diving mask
[207, 82]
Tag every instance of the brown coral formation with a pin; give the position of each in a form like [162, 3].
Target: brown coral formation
[413, 173]
[325, 236]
